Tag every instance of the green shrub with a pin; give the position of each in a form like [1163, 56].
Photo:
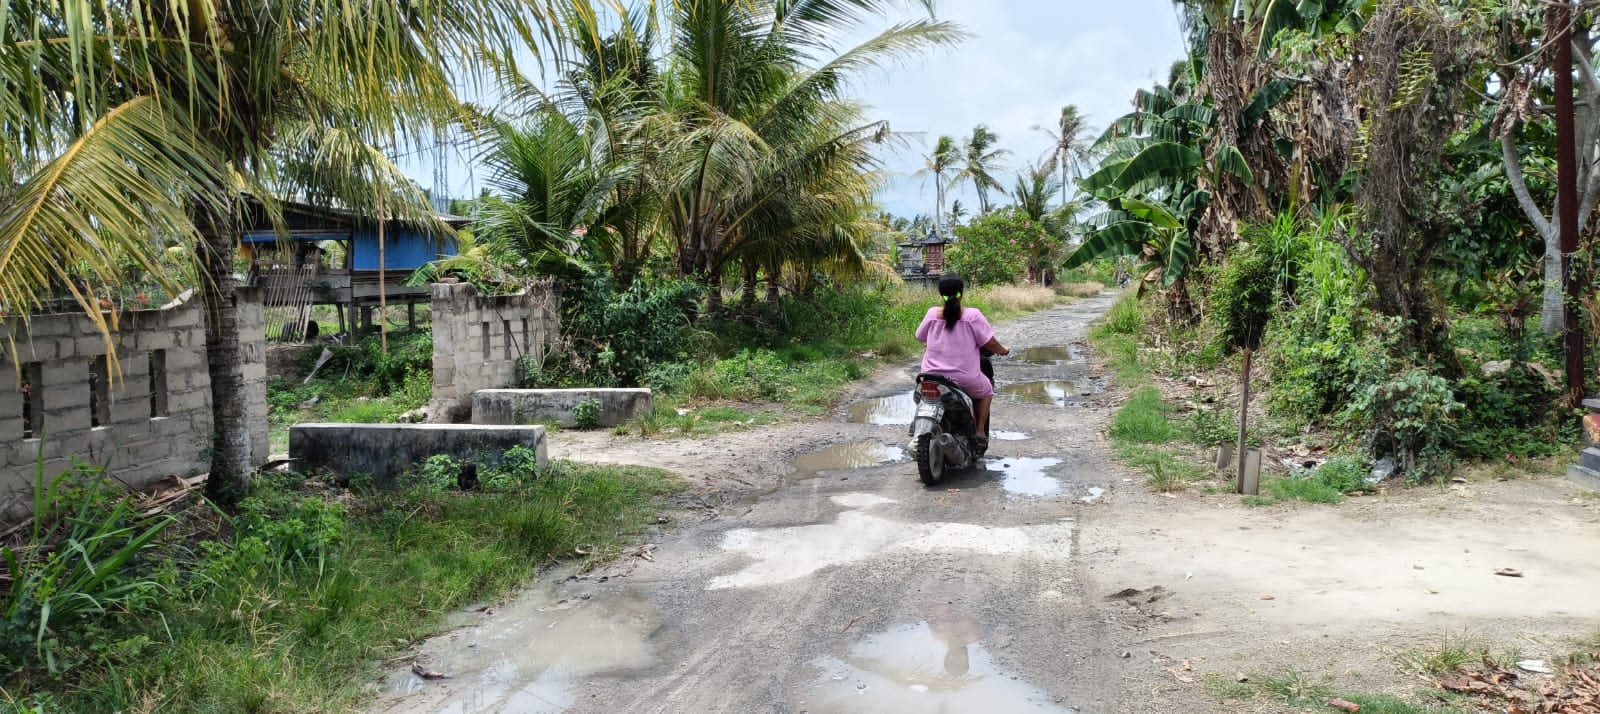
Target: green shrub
[1511, 413]
[615, 334]
[587, 413]
[1244, 295]
[1000, 247]
[1411, 417]
[439, 473]
[1142, 420]
[1322, 355]
[1345, 474]
[518, 467]
[1210, 427]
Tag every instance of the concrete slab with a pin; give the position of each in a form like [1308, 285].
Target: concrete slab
[525, 406]
[1584, 476]
[385, 451]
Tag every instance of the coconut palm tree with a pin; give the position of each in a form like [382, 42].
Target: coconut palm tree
[943, 159]
[1069, 147]
[270, 97]
[980, 162]
[750, 84]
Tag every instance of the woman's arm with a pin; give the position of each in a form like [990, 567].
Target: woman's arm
[995, 347]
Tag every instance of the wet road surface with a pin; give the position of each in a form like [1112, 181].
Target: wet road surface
[850, 588]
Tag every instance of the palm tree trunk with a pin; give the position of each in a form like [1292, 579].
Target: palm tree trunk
[747, 296]
[230, 441]
[774, 282]
[1066, 177]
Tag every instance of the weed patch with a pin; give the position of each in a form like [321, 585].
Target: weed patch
[310, 587]
[1142, 420]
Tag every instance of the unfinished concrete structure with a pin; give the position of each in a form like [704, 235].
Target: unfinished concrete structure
[385, 451]
[145, 416]
[560, 406]
[478, 341]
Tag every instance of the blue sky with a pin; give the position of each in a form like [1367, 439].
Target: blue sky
[1025, 59]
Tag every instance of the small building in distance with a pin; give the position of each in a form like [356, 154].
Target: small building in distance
[332, 257]
[922, 259]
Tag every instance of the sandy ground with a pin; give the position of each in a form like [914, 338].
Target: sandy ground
[807, 570]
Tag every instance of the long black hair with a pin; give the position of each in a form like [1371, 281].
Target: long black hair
[951, 286]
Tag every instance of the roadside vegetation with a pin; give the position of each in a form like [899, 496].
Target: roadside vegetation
[295, 601]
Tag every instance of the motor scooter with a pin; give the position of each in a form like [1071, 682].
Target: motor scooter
[944, 431]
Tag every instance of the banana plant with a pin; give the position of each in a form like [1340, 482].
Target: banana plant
[1318, 17]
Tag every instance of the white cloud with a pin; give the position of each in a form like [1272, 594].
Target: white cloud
[1025, 59]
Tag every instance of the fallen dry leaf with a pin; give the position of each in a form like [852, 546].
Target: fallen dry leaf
[1345, 705]
[1269, 597]
[1509, 572]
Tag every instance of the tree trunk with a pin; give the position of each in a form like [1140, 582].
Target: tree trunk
[747, 294]
[713, 283]
[230, 441]
[774, 282]
[1398, 230]
[1552, 311]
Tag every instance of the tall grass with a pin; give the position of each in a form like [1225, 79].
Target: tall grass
[293, 610]
[1002, 301]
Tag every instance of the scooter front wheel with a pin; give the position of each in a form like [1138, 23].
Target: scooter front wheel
[930, 460]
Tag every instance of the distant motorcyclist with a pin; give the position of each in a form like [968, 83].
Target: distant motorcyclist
[955, 336]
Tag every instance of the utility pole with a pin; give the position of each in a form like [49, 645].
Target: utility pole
[1567, 198]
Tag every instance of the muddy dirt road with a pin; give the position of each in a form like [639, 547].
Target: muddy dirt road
[811, 572]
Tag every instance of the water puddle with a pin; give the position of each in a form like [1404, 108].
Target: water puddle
[896, 410]
[1026, 477]
[939, 665]
[1009, 436]
[1095, 494]
[781, 555]
[1049, 356]
[843, 457]
[1055, 392]
[527, 656]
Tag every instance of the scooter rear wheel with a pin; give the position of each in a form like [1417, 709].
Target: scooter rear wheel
[930, 460]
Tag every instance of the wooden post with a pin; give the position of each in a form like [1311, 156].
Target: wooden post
[1244, 417]
[383, 292]
[1567, 199]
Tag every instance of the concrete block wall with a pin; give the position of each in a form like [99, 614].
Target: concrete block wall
[156, 419]
[478, 340]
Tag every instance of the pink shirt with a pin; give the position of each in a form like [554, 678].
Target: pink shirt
[953, 353]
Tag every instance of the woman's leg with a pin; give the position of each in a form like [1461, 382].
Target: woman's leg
[981, 415]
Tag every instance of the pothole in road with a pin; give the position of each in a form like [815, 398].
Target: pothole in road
[896, 410]
[781, 555]
[939, 665]
[1026, 477]
[1059, 393]
[528, 656]
[856, 455]
[1049, 356]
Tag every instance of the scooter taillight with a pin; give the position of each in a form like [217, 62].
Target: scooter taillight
[930, 390]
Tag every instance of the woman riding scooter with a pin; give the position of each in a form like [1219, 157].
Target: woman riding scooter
[955, 337]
